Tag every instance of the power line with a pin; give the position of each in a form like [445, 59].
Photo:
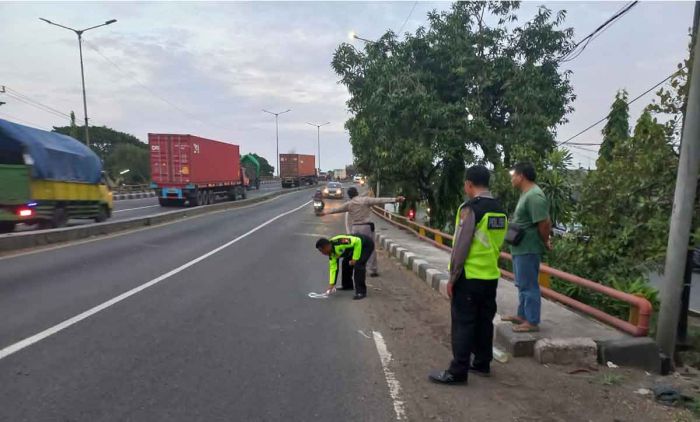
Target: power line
[599, 30]
[17, 119]
[628, 103]
[146, 88]
[15, 95]
[407, 17]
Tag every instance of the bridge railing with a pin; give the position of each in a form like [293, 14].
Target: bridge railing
[640, 308]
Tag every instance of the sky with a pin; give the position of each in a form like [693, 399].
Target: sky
[209, 69]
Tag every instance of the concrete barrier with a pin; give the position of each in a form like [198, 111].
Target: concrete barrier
[31, 239]
[133, 195]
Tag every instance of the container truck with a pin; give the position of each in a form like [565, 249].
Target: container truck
[251, 165]
[340, 174]
[47, 178]
[187, 169]
[297, 170]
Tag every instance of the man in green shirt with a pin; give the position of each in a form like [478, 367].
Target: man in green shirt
[532, 216]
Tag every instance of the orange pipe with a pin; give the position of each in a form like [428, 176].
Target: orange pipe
[642, 304]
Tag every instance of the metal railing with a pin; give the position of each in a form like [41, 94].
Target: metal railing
[640, 308]
[131, 188]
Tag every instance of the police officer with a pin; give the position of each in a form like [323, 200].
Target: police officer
[359, 209]
[355, 251]
[480, 229]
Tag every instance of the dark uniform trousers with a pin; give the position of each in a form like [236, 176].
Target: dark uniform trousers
[473, 308]
[358, 272]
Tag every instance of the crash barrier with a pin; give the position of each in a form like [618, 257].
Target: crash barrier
[32, 239]
[640, 308]
[121, 189]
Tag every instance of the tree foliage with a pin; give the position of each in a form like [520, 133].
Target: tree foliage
[103, 140]
[411, 99]
[266, 170]
[134, 158]
[617, 128]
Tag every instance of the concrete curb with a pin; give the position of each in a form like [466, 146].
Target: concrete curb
[133, 195]
[634, 352]
[27, 240]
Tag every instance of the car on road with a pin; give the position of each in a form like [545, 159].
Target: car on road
[333, 190]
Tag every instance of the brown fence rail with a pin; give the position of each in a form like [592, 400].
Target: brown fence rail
[640, 308]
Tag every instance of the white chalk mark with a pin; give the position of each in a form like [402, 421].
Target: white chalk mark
[16, 347]
[313, 295]
[363, 333]
[392, 382]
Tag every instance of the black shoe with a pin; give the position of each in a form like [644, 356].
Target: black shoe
[445, 377]
[480, 371]
[374, 275]
[359, 296]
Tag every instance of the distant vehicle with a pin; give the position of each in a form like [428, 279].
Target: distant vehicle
[322, 176]
[47, 178]
[297, 170]
[251, 165]
[333, 190]
[187, 169]
[358, 178]
[340, 174]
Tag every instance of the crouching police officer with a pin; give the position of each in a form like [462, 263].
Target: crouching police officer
[355, 251]
[480, 229]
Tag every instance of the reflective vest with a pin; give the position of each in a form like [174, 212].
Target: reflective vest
[489, 233]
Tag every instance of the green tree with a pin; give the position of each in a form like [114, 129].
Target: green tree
[73, 131]
[134, 158]
[470, 87]
[617, 128]
[103, 140]
[266, 170]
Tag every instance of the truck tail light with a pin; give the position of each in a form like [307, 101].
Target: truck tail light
[411, 214]
[25, 212]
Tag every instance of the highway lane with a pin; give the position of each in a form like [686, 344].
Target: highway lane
[142, 207]
[231, 337]
[130, 208]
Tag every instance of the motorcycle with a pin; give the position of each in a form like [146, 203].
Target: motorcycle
[318, 206]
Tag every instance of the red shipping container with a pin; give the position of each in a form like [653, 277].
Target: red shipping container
[179, 160]
[297, 165]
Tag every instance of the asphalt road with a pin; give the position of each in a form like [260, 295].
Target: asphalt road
[131, 208]
[213, 323]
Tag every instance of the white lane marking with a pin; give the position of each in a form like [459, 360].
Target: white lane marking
[137, 208]
[363, 334]
[392, 382]
[14, 348]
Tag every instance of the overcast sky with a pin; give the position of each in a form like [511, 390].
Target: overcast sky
[209, 68]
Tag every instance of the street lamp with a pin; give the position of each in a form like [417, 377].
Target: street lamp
[318, 139]
[353, 35]
[277, 135]
[79, 33]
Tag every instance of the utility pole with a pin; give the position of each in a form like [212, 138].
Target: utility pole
[79, 33]
[277, 135]
[318, 139]
[683, 206]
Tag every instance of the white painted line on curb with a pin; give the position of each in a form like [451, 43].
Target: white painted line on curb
[392, 382]
[14, 348]
[137, 208]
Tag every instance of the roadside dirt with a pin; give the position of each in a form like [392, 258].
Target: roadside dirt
[415, 323]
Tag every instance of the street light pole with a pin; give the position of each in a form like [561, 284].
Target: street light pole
[318, 139]
[79, 33]
[277, 135]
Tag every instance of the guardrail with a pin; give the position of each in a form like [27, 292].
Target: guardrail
[131, 188]
[640, 308]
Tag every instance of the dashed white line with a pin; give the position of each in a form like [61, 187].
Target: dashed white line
[137, 208]
[392, 382]
[16, 347]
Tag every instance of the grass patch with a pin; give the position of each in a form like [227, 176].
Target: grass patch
[611, 379]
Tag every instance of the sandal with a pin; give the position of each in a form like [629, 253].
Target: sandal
[513, 319]
[526, 328]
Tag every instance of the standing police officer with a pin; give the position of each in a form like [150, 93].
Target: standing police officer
[480, 229]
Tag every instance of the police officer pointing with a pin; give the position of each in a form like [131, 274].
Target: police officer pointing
[480, 229]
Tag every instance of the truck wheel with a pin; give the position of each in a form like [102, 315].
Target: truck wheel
[212, 198]
[7, 226]
[163, 202]
[244, 193]
[60, 217]
[102, 214]
[200, 198]
[257, 184]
